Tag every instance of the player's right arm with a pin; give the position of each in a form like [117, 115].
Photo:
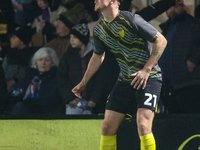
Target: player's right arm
[94, 64]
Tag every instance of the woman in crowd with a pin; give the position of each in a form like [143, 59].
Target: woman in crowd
[37, 92]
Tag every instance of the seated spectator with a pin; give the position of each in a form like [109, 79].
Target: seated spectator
[71, 70]
[37, 92]
[64, 23]
[44, 21]
[19, 56]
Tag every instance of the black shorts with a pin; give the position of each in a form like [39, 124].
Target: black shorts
[125, 99]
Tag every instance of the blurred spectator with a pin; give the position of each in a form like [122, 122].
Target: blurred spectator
[6, 25]
[22, 17]
[19, 56]
[180, 61]
[44, 21]
[3, 92]
[4, 37]
[88, 4]
[64, 23]
[7, 12]
[37, 92]
[71, 70]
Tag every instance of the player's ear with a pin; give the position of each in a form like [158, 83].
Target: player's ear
[112, 1]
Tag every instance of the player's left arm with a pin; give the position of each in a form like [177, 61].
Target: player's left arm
[142, 76]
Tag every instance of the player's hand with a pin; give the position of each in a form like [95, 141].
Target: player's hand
[140, 79]
[77, 89]
[91, 104]
[190, 65]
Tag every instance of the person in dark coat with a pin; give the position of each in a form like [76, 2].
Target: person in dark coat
[71, 70]
[37, 92]
[180, 61]
[19, 56]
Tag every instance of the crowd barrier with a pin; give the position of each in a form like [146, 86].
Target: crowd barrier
[172, 132]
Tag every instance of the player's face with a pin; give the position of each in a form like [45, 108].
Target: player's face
[75, 42]
[101, 4]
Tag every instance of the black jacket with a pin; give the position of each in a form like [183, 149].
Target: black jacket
[48, 99]
[185, 46]
[16, 61]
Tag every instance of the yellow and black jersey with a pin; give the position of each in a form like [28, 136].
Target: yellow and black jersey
[128, 36]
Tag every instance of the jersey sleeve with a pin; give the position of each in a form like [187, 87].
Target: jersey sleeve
[99, 45]
[144, 29]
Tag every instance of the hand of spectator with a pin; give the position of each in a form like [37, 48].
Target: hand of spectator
[77, 89]
[190, 65]
[40, 25]
[73, 103]
[0, 48]
[18, 7]
[91, 104]
[10, 84]
[140, 79]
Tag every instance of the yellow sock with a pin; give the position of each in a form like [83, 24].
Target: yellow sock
[147, 142]
[108, 142]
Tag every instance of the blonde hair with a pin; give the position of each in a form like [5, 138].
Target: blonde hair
[45, 52]
[118, 3]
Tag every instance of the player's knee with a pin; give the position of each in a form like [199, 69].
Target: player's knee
[143, 128]
[106, 128]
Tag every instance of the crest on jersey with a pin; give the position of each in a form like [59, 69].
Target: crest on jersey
[121, 33]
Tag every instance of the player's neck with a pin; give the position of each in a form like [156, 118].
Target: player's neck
[110, 14]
